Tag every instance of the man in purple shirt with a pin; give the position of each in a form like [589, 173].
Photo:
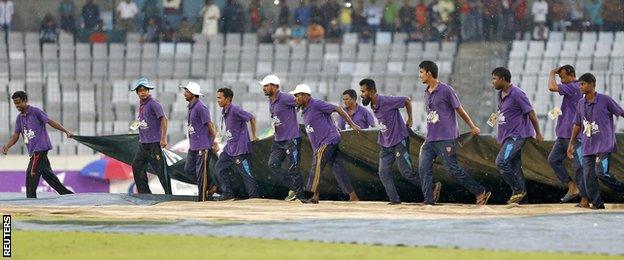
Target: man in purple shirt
[360, 116]
[570, 90]
[201, 133]
[237, 151]
[31, 123]
[594, 117]
[394, 141]
[325, 140]
[441, 104]
[287, 143]
[152, 125]
[516, 122]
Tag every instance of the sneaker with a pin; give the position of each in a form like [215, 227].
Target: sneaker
[437, 187]
[516, 198]
[224, 198]
[291, 196]
[484, 199]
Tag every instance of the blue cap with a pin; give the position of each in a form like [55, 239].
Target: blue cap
[141, 82]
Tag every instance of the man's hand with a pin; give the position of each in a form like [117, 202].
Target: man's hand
[5, 149]
[215, 147]
[409, 123]
[539, 138]
[69, 134]
[554, 71]
[163, 143]
[570, 151]
[475, 131]
[356, 128]
[254, 138]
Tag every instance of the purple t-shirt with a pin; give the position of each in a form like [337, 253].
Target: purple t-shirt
[571, 95]
[236, 133]
[150, 113]
[32, 126]
[392, 128]
[319, 124]
[362, 117]
[598, 115]
[440, 106]
[284, 117]
[513, 115]
[198, 131]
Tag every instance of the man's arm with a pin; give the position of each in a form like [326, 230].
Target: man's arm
[60, 127]
[10, 143]
[538, 134]
[346, 118]
[213, 132]
[252, 122]
[576, 129]
[408, 109]
[163, 127]
[552, 81]
[462, 113]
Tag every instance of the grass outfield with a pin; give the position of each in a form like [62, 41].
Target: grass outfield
[77, 245]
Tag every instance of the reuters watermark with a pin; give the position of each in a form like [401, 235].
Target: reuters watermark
[6, 235]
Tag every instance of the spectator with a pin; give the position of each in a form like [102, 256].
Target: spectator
[316, 33]
[284, 14]
[211, 14]
[539, 10]
[126, 10]
[98, 35]
[345, 18]
[264, 33]
[6, 16]
[255, 15]
[282, 34]
[577, 15]
[334, 34]
[298, 32]
[421, 14]
[172, 6]
[67, 9]
[185, 31]
[406, 16]
[557, 15]
[390, 13]
[613, 15]
[233, 17]
[476, 13]
[594, 12]
[168, 33]
[506, 20]
[373, 16]
[316, 14]
[466, 24]
[444, 9]
[520, 22]
[331, 9]
[152, 31]
[48, 32]
[303, 13]
[149, 10]
[90, 15]
[357, 17]
[492, 11]
[540, 33]
[366, 34]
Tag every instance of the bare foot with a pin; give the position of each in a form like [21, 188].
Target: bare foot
[353, 197]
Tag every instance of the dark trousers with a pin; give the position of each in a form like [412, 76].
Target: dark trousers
[399, 153]
[39, 165]
[328, 153]
[596, 167]
[556, 157]
[226, 163]
[447, 152]
[198, 164]
[151, 154]
[509, 163]
[291, 177]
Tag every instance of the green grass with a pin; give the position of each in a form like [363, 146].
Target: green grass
[80, 245]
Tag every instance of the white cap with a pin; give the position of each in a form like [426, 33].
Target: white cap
[194, 88]
[270, 79]
[301, 88]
